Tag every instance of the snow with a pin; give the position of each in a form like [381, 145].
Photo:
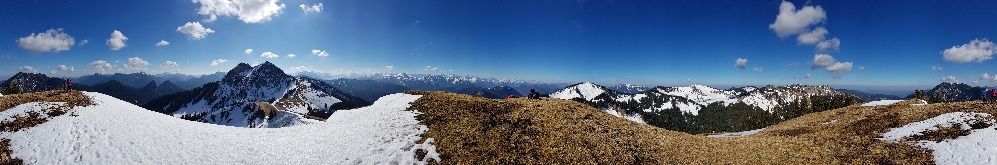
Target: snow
[23, 109]
[637, 97]
[881, 102]
[829, 122]
[736, 134]
[632, 117]
[116, 132]
[976, 148]
[585, 90]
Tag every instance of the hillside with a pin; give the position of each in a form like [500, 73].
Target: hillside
[472, 130]
[93, 128]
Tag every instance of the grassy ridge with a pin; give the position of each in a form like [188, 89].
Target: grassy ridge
[473, 130]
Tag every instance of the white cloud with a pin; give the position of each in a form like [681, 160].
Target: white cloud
[976, 50]
[808, 75]
[301, 68]
[319, 53]
[218, 61]
[314, 8]
[688, 80]
[389, 67]
[861, 68]
[84, 42]
[791, 21]
[936, 68]
[27, 69]
[210, 19]
[741, 63]
[52, 72]
[162, 43]
[822, 61]
[986, 76]
[290, 55]
[170, 64]
[812, 37]
[66, 69]
[831, 65]
[840, 68]
[53, 40]
[249, 51]
[268, 55]
[136, 64]
[194, 30]
[950, 79]
[976, 81]
[117, 40]
[100, 66]
[759, 70]
[249, 11]
[429, 68]
[829, 45]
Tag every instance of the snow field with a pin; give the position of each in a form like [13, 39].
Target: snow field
[979, 147]
[115, 132]
[736, 134]
[881, 102]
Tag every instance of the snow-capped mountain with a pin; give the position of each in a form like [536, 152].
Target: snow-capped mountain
[246, 95]
[628, 88]
[689, 99]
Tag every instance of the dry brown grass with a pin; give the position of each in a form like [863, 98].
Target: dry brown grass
[471, 130]
[72, 99]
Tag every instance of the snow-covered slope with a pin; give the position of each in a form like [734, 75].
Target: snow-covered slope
[975, 148]
[585, 90]
[232, 101]
[115, 132]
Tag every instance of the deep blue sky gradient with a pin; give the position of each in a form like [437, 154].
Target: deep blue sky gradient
[669, 43]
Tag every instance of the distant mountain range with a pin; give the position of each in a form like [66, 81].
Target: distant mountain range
[867, 97]
[257, 96]
[369, 90]
[455, 83]
[140, 79]
[36, 82]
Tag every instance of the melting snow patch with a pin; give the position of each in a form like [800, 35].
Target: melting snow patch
[975, 148]
[881, 102]
[634, 117]
[113, 131]
[829, 122]
[736, 134]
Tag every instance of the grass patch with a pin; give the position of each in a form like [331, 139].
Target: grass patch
[472, 130]
[71, 99]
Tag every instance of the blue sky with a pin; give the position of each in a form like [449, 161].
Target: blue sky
[670, 43]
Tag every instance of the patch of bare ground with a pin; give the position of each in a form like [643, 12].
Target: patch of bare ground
[472, 130]
[71, 99]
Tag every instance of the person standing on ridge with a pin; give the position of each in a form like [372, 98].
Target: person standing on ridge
[69, 84]
[984, 96]
[534, 94]
[993, 93]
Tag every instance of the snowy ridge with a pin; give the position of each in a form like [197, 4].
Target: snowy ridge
[116, 132]
[585, 90]
[693, 98]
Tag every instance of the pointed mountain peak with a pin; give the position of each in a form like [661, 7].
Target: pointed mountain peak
[168, 83]
[149, 87]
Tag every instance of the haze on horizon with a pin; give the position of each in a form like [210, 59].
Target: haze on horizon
[667, 43]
